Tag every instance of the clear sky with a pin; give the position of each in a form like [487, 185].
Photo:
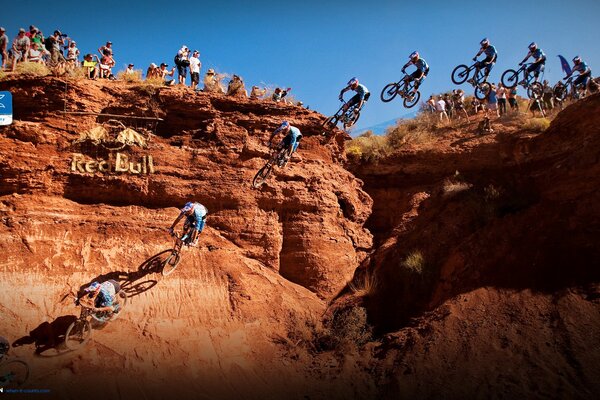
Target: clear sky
[315, 46]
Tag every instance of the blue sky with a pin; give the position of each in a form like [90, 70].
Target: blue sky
[316, 46]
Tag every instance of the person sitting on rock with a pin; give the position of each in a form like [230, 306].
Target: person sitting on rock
[236, 87]
[153, 72]
[163, 72]
[290, 142]
[212, 82]
[195, 214]
[257, 93]
[90, 66]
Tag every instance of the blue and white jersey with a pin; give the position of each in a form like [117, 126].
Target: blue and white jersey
[361, 90]
[420, 64]
[197, 217]
[490, 52]
[582, 68]
[106, 296]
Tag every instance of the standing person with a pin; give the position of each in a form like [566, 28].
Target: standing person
[20, 48]
[440, 107]
[548, 96]
[501, 94]
[106, 49]
[431, 104]
[492, 99]
[3, 47]
[73, 53]
[195, 66]
[449, 106]
[182, 62]
[459, 104]
[512, 99]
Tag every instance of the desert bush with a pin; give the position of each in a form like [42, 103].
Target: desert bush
[368, 147]
[2, 74]
[415, 262]
[416, 130]
[363, 286]
[32, 69]
[537, 124]
[349, 328]
[130, 78]
[452, 187]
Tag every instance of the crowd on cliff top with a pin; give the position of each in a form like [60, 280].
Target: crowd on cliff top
[59, 52]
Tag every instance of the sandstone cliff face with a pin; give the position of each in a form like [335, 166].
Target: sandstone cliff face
[266, 261]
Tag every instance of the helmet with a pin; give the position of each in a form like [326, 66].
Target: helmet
[93, 287]
[485, 42]
[284, 125]
[353, 82]
[188, 206]
[576, 59]
[414, 56]
[532, 46]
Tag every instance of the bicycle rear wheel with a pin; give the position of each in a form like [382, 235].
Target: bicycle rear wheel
[510, 78]
[171, 263]
[352, 119]
[460, 74]
[78, 333]
[389, 92]
[329, 124]
[482, 90]
[412, 99]
[535, 90]
[13, 373]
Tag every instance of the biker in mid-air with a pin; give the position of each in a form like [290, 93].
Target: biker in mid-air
[195, 214]
[103, 296]
[362, 94]
[420, 73]
[291, 140]
[488, 62]
[585, 74]
[539, 61]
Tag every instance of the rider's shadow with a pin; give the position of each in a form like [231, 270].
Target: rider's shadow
[47, 336]
[133, 283]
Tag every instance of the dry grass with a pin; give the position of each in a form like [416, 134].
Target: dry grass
[2, 74]
[76, 74]
[32, 69]
[417, 130]
[368, 148]
[150, 86]
[537, 124]
[364, 286]
[415, 262]
[136, 77]
[349, 328]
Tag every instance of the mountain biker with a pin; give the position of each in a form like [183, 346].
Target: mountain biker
[539, 60]
[103, 295]
[488, 62]
[291, 139]
[420, 73]
[585, 74]
[362, 95]
[195, 214]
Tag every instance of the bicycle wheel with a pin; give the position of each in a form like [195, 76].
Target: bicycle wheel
[482, 90]
[261, 176]
[560, 92]
[460, 74]
[412, 99]
[329, 124]
[535, 90]
[78, 333]
[352, 120]
[510, 78]
[389, 92]
[171, 263]
[13, 373]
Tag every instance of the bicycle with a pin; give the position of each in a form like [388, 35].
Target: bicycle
[510, 79]
[13, 372]
[405, 88]
[80, 331]
[278, 157]
[173, 259]
[562, 90]
[461, 73]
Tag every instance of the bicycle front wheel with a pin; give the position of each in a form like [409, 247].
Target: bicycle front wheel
[510, 78]
[329, 124]
[171, 263]
[460, 74]
[78, 333]
[13, 373]
[482, 90]
[389, 92]
[412, 99]
[535, 90]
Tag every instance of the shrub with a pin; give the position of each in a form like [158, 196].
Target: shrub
[32, 69]
[363, 286]
[130, 78]
[2, 74]
[368, 148]
[537, 124]
[349, 328]
[415, 262]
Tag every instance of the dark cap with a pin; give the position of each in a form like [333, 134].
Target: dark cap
[130, 65]
[166, 65]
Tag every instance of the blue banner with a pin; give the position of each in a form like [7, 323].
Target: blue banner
[565, 65]
[6, 110]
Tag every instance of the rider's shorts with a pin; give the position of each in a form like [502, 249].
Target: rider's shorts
[582, 80]
[536, 67]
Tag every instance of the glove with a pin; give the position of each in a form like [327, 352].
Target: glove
[474, 58]
[341, 98]
[520, 64]
[403, 71]
[171, 231]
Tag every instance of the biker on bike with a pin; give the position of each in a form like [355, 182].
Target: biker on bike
[103, 296]
[488, 62]
[539, 61]
[585, 74]
[361, 96]
[420, 73]
[291, 140]
[195, 214]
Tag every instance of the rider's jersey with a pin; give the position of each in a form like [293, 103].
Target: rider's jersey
[361, 90]
[421, 65]
[490, 53]
[292, 138]
[197, 217]
[106, 296]
[538, 53]
[582, 68]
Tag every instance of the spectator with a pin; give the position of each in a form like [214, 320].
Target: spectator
[440, 107]
[476, 105]
[492, 99]
[164, 72]
[39, 39]
[257, 93]
[485, 126]
[34, 54]
[236, 87]
[129, 70]
[536, 105]
[279, 94]
[431, 104]
[32, 32]
[182, 62]
[512, 99]
[20, 47]
[449, 105]
[212, 82]
[107, 62]
[153, 72]
[53, 45]
[3, 47]
[501, 94]
[90, 66]
[548, 96]
[195, 66]
[459, 103]
[73, 54]
[106, 49]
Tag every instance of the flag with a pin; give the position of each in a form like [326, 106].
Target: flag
[565, 65]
